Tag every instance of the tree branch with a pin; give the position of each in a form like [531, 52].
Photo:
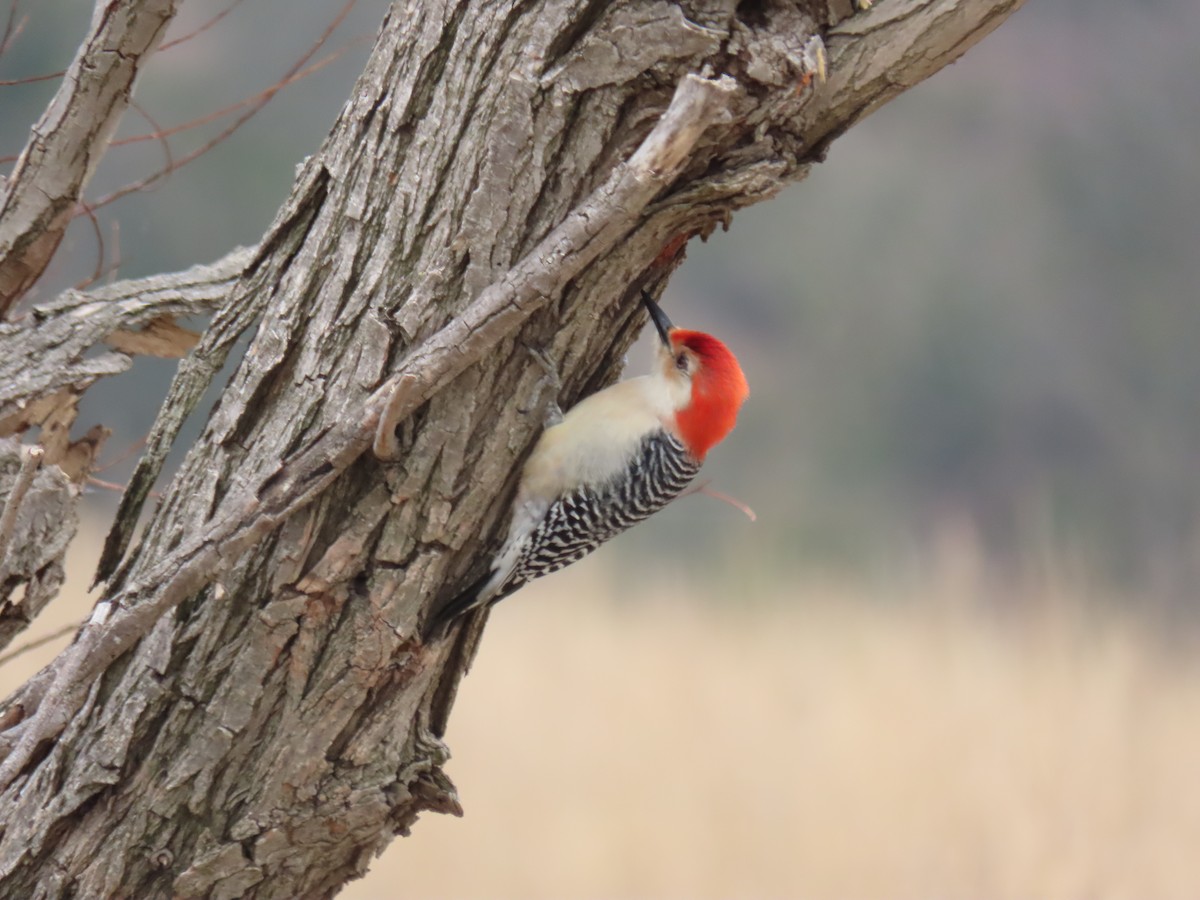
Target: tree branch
[50, 348]
[68, 141]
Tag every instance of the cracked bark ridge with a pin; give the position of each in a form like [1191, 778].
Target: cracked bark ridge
[37, 522]
[67, 143]
[274, 731]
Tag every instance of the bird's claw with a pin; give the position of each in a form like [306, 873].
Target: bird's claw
[551, 379]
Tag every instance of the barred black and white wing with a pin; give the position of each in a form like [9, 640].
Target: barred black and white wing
[581, 520]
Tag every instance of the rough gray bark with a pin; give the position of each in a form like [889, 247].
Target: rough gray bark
[277, 722]
[37, 522]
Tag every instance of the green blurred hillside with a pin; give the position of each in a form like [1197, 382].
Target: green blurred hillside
[975, 323]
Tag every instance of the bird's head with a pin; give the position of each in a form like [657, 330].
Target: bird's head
[704, 379]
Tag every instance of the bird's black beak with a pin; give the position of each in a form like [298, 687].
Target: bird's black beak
[661, 322]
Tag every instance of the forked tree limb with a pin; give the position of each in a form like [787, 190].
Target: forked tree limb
[53, 346]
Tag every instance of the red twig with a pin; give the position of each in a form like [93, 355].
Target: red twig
[124, 454]
[296, 72]
[115, 243]
[258, 100]
[203, 28]
[31, 79]
[101, 270]
[98, 271]
[93, 481]
[703, 488]
[159, 132]
[11, 32]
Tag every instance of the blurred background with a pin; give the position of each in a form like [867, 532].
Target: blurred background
[955, 656]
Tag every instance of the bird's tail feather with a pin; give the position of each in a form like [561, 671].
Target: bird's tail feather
[443, 616]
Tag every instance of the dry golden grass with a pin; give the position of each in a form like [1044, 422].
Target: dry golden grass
[833, 743]
[822, 741]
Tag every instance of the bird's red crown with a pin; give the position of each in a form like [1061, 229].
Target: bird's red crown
[718, 391]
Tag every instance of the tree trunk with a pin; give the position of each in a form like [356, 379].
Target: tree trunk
[249, 712]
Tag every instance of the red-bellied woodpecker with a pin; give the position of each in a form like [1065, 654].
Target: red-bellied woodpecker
[616, 457]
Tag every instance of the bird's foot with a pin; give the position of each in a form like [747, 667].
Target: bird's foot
[553, 414]
[386, 444]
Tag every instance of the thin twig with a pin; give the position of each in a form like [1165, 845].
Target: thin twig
[31, 459]
[39, 642]
[385, 445]
[255, 100]
[28, 79]
[128, 453]
[98, 270]
[299, 70]
[159, 132]
[706, 489]
[196, 32]
[114, 244]
[93, 481]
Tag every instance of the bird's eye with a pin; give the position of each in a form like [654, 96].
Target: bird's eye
[681, 362]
